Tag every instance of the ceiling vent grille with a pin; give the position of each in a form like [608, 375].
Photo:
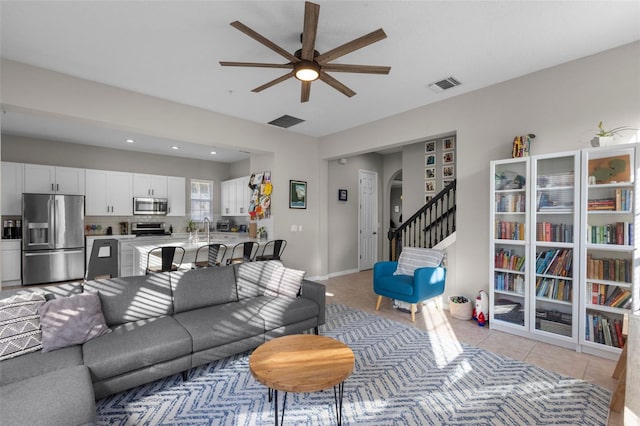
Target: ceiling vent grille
[286, 121]
[444, 84]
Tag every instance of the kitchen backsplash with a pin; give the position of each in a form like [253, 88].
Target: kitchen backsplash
[97, 225]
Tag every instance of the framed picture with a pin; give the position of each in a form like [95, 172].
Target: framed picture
[427, 198]
[430, 146]
[297, 194]
[449, 144]
[430, 186]
[342, 195]
[610, 169]
[446, 182]
[430, 160]
[448, 157]
[448, 171]
[430, 173]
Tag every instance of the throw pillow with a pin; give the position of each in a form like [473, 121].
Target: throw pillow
[73, 320]
[20, 324]
[413, 258]
[284, 281]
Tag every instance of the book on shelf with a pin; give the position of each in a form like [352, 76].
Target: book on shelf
[604, 330]
[619, 233]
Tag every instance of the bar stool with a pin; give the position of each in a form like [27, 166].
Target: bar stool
[167, 254]
[277, 247]
[213, 250]
[249, 251]
[103, 261]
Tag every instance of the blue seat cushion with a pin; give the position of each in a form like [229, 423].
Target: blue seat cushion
[398, 284]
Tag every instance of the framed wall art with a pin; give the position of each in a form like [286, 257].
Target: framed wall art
[342, 195]
[448, 172]
[448, 157]
[430, 186]
[297, 194]
[430, 173]
[430, 160]
[430, 146]
[449, 144]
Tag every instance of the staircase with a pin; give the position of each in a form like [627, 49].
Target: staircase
[432, 226]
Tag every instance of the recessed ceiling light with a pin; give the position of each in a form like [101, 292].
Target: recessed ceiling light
[129, 141]
[213, 153]
[175, 147]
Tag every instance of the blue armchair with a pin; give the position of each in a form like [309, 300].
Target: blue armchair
[425, 283]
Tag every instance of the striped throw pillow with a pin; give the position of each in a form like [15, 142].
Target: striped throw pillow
[413, 258]
[20, 324]
[284, 281]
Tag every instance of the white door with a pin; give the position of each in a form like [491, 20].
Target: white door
[368, 219]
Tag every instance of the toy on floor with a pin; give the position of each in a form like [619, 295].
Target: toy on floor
[481, 311]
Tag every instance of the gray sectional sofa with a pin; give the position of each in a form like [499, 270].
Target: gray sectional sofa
[160, 324]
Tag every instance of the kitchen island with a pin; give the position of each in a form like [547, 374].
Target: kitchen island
[142, 248]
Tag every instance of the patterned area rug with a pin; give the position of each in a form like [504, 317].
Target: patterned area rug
[403, 376]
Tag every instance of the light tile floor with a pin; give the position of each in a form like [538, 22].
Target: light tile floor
[355, 290]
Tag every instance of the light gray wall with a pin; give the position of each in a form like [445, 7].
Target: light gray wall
[562, 105]
[43, 92]
[239, 169]
[343, 216]
[395, 201]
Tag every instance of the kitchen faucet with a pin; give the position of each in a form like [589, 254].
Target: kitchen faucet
[208, 224]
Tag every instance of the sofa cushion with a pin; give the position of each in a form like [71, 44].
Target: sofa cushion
[413, 258]
[129, 299]
[38, 363]
[222, 324]
[202, 287]
[68, 321]
[20, 324]
[63, 397]
[280, 311]
[252, 277]
[399, 284]
[284, 281]
[135, 345]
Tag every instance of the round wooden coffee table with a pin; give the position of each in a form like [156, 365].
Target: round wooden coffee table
[302, 363]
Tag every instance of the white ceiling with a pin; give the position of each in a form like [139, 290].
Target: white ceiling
[171, 49]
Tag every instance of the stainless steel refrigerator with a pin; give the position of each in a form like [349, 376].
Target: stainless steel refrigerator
[52, 238]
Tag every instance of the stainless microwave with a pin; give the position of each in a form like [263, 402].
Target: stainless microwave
[145, 205]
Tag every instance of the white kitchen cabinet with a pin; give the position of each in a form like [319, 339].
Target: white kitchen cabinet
[149, 186]
[235, 197]
[10, 258]
[45, 179]
[109, 193]
[176, 196]
[12, 188]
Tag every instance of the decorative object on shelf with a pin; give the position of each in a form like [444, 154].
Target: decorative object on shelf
[297, 194]
[605, 137]
[521, 145]
[342, 195]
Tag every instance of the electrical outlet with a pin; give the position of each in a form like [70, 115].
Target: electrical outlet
[300, 228]
[294, 228]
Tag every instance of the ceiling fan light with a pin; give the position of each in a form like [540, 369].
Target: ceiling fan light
[307, 71]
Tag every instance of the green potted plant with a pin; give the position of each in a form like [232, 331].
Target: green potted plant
[606, 137]
[191, 225]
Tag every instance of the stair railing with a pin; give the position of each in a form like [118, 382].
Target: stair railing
[434, 222]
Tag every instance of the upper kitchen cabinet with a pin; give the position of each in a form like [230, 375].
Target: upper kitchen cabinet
[235, 197]
[176, 196]
[44, 179]
[109, 193]
[149, 186]
[12, 188]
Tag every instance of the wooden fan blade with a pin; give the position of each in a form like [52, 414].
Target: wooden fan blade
[336, 84]
[254, 64]
[311, 13]
[365, 69]
[349, 47]
[273, 82]
[260, 39]
[305, 91]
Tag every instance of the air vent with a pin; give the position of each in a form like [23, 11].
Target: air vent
[444, 84]
[286, 121]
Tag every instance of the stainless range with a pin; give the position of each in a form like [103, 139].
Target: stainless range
[145, 229]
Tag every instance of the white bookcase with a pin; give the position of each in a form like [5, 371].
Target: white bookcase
[564, 268]
[609, 268]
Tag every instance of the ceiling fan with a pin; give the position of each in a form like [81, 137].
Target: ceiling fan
[307, 64]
